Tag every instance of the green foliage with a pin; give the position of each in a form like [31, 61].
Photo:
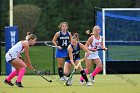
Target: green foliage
[78, 13]
[26, 18]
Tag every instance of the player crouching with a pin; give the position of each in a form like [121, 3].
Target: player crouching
[73, 57]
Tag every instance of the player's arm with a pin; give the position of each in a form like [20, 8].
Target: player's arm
[84, 48]
[70, 35]
[55, 39]
[89, 41]
[71, 56]
[27, 58]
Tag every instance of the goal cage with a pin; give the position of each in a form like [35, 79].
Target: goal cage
[120, 28]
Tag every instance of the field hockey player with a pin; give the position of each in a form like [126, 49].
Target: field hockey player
[63, 37]
[73, 57]
[14, 58]
[94, 43]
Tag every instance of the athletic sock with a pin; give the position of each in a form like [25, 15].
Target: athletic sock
[60, 72]
[81, 78]
[68, 75]
[93, 77]
[83, 73]
[96, 71]
[12, 75]
[21, 74]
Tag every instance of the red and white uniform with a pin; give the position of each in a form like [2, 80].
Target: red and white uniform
[96, 43]
[14, 51]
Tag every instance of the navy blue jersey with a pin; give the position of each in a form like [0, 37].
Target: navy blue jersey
[63, 40]
[75, 52]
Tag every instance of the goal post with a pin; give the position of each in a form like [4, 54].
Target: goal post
[106, 15]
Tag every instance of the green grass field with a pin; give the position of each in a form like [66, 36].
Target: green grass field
[104, 84]
[42, 56]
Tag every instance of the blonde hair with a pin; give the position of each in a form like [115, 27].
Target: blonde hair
[62, 24]
[30, 36]
[89, 33]
[93, 31]
[75, 36]
[95, 27]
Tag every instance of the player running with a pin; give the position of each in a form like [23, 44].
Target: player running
[14, 58]
[73, 57]
[93, 43]
[61, 39]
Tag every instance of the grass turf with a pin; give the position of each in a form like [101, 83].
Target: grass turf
[42, 56]
[104, 84]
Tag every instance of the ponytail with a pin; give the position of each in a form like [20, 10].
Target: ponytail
[30, 36]
[89, 33]
[28, 33]
[75, 36]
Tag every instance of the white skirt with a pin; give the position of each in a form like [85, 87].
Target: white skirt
[93, 55]
[9, 56]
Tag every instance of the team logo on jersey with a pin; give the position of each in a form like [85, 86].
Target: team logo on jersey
[64, 37]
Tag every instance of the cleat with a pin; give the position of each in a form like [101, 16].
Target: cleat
[81, 82]
[62, 79]
[92, 78]
[88, 83]
[69, 82]
[66, 78]
[19, 84]
[8, 82]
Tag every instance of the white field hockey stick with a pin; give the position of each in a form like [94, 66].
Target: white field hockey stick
[49, 45]
[74, 70]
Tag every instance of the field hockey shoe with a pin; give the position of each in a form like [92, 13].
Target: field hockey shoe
[88, 83]
[65, 78]
[62, 79]
[8, 82]
[92, 78]
[19, 84]
[69, 82]
[81, 82]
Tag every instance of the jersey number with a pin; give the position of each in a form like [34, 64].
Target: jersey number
[64, 43]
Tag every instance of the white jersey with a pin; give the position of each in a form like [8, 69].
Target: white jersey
[96, 43]
[14, 51]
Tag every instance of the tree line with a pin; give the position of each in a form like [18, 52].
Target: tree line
[42, 17]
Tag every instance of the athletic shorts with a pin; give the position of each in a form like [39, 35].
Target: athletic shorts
[10, 57]
[68, 61]
[61, 53]
[93, 55]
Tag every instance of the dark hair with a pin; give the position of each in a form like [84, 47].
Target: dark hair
[75, 36]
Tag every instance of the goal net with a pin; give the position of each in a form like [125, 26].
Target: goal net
[121, 31]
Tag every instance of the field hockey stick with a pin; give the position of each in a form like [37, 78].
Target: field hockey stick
[74, 70]
[49, 45]
[70, 77]
[100, 49]
[42, 76]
